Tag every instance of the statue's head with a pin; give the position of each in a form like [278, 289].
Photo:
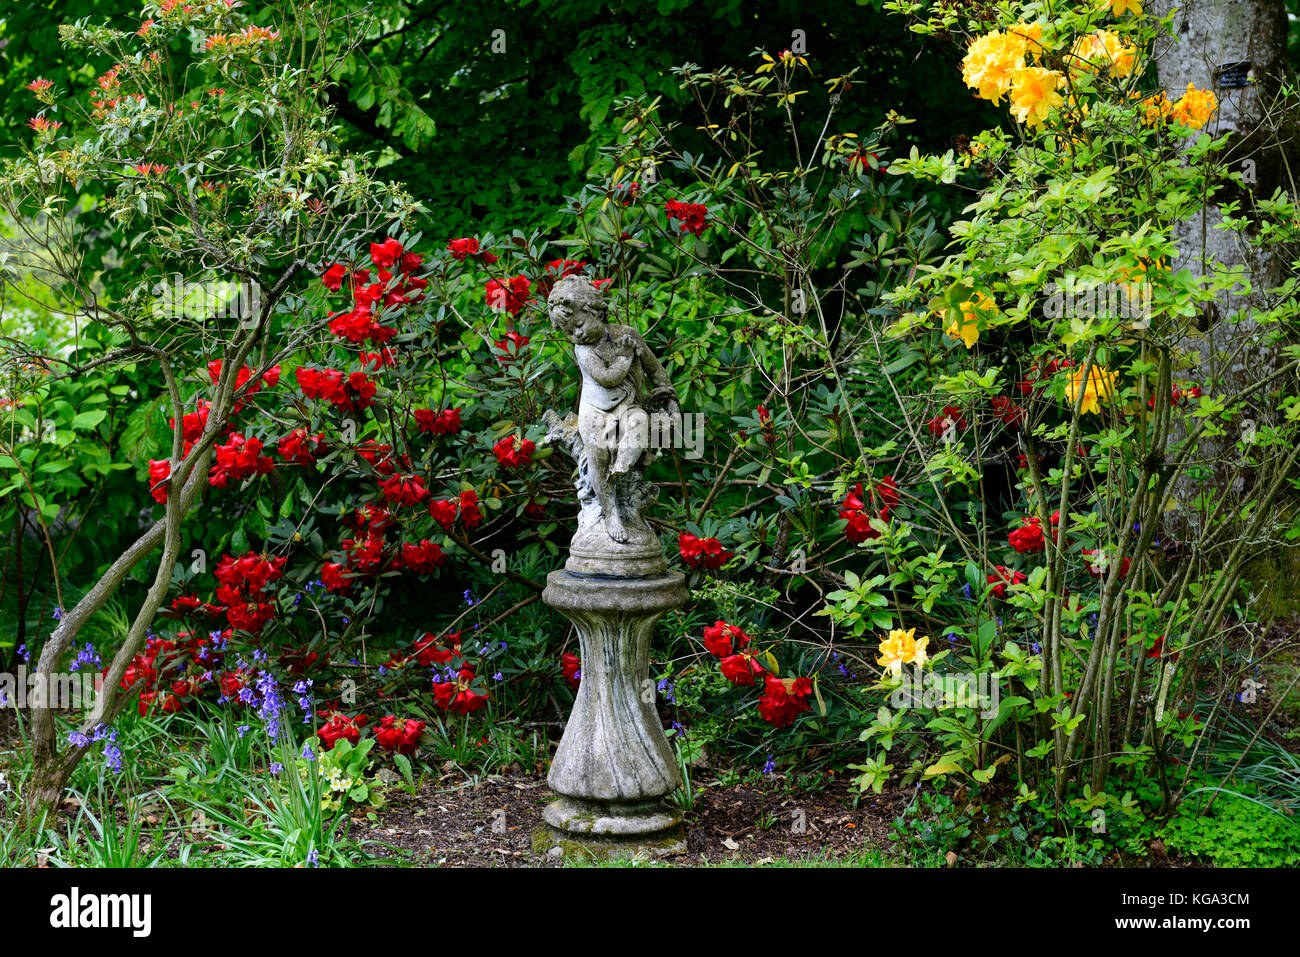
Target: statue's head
[578, 309]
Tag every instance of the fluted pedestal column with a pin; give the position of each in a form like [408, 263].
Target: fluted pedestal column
[614, 766]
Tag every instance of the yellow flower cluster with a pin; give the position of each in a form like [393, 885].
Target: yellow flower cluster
[995, 66]
[902, 648]
[1099, 388]
[1193, 109]
[967, 329]
[1103, 50]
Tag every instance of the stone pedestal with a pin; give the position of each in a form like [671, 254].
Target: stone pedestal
[614, 765]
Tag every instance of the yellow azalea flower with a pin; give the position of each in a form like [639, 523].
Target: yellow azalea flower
[990, 63]
[1156, 108]
[1103, 50]
[1195, 107]
[1030, 37]
[902, 648]
[1033, 94]
[1117, 7]
[1099, 388]
[967, 329]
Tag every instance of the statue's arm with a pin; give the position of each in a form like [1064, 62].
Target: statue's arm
[607, 373]
[661, 387]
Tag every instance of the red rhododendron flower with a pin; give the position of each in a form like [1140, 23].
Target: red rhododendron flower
[404, 490]
[423, 557]
[949, 421]
[565, 267]
[741, 669]
[534, 510]
[238, 459]
[444, 513]
[469, 511]
[460, 248]
[299, 448]
[706, 552]
[250, 570]
[784, 699]
[1007, 411]
[511, 345]
[428, 652]
[400, 736]
[514, 452]
[334, 276]
[718, 639]
[692, 216]
[335, 577]
[857, 523]
[1028, 537]
[572, 667]
[510, 296]
[339, 727]
[386, 254]
[457, 696]
[1004, 577]
[446, 422]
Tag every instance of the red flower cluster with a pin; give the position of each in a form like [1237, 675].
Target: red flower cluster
[510, 296]
[693, 217]
[510, 346]
[400, 736]
[238, 459]
[270, 378]
[1007, 411]
[369, 299]
[1028, 537]
[858, 527]
[423, 557]
[444, 511]
[300, 448]
[737, 665]
[242, 584]
[1004, 577]
[446, 422]
[1053, 366]
[457, 696]
[339, 726]
[404, 490]
[352, 394]
[950, 418]
[170, 673]
[462, 248]
[706, 552]
[514, 452]
[784, 699]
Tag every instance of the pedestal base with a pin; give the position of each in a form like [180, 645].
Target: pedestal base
[561, 845]
[613, 765]
[610, 819]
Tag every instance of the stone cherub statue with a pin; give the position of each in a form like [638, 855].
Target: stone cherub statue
[627, 406]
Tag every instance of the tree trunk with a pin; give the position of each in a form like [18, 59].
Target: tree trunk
[1237, 48]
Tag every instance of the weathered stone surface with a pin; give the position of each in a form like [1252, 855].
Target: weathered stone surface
[613, 748]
